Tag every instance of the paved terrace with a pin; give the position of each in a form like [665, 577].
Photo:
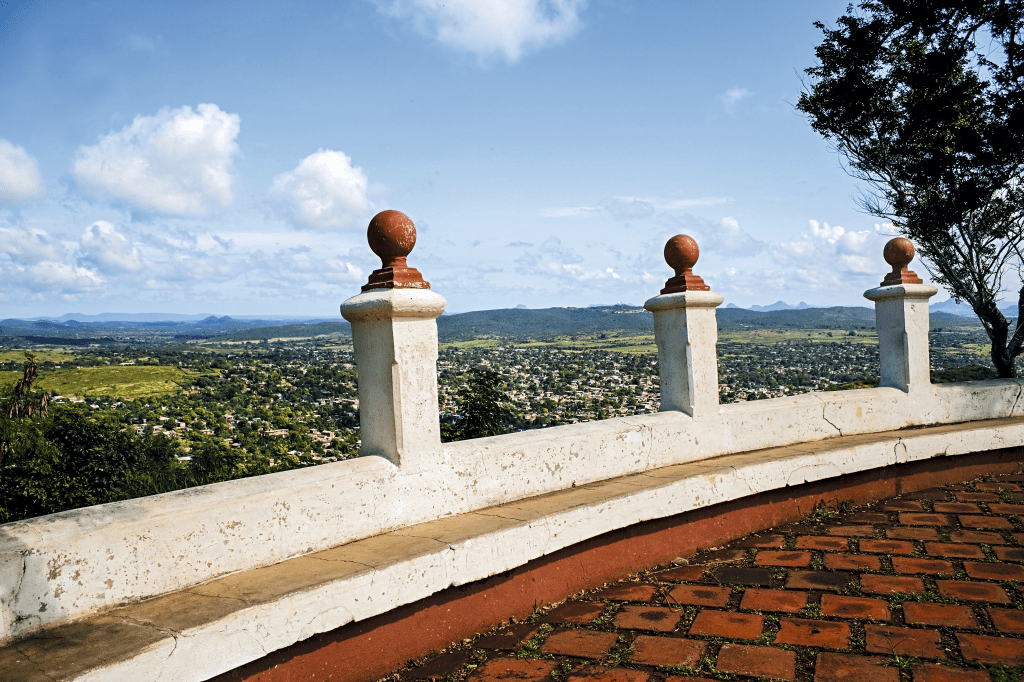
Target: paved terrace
[924, 587]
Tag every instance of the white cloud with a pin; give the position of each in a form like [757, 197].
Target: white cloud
[177, 162]
[491, 27]
[627, 208]
[32, 260]
[29, 246]
[107, 250]
[325, 190]
[733, 96]
[19, 175]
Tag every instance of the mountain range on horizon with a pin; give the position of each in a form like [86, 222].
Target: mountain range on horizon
[947, 306]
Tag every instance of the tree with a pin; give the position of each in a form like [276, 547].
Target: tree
[482, 411]
[923, 100]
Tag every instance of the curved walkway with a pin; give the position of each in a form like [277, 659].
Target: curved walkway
[928, 587]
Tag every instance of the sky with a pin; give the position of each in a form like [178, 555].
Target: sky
[226, 157]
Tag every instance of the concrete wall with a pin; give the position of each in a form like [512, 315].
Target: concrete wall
[64, 566]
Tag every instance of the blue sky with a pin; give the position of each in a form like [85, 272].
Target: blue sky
[225, 157]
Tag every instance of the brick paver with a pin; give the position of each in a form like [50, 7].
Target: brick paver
[881, 594]
[788, 601]
[667, 650]
[757, 661]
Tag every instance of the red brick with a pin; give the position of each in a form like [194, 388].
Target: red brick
[956, 551]
[822, 633]
[992, 522]
[943, 615]
[1018, 538]
[976, 497]
[854, 607]
[757, 661]
[956, 508]
[772, 558]
[912, 519]
[575, 612]
[903, 505]
[889, 546]
[831, 667]
[992, 650]
[628, 593]
[1002, 508]
[852, 562]
[933, 672]
[1010, 553]
[789, 601]
[667, 651]
[822, 542]
[603, 674]
[883, 639]
[513, 670]
[977, 537]
[679, 678]
[904, 564]
[911, 533]
[866, 517]
[700, 595]
[1010, 621]
[439, 667]
[989, 571]
[682, 573]
[581, 643]
[767, 541]
[637, 617]
[851, 531]
[727, 624]
[721, 556]
[509, 638]
[887, 584]
[818, 580]
[995, 486]
[968, 591]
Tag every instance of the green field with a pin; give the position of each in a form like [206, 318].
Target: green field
[41, 355]
[114, 381]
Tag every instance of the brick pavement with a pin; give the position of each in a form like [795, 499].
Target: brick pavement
[921, 588]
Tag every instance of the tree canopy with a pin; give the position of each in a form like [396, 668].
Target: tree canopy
[923, 100]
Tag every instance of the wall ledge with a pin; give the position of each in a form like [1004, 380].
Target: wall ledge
[209, 629]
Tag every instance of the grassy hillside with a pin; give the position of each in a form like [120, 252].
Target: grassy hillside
[114, 381]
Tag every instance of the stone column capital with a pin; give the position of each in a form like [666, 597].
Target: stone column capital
[904, 291]
[684, 299]
[383, 304]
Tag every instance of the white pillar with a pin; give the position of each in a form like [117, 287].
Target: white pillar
[901, 318]
[394, 335]
[686, 332]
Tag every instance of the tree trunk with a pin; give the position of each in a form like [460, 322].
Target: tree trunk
[998, 328]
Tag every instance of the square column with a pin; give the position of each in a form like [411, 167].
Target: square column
[686, 331]
[901, 318]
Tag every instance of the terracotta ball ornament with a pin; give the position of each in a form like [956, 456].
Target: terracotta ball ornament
[392, 236]
[898, 253]
[681, 253]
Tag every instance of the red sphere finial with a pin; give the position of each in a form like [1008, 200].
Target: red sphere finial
[681, 253]
[898, 253]
[392, 236]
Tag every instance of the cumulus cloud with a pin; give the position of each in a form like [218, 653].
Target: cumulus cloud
[833, 247]
[177, 162]
[31, 259]
[488, 28]
[19, 175]
[724, 237]
[29, 246]
[107, 250]
[325, 190]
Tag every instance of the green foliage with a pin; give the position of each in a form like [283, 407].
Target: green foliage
[482, 408]
[924, 100]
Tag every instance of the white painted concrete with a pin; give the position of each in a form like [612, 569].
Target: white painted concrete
[687, 333]
[394, 335]
[268, 609]
[65, 566]
[901, 314]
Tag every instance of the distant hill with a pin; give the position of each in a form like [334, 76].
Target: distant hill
[511, 323]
